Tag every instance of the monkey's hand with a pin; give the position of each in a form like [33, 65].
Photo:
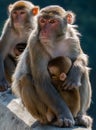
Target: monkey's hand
[73, 79]
[63, 122]
[3, 85]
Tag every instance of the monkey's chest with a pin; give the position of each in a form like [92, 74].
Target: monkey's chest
[61, 50]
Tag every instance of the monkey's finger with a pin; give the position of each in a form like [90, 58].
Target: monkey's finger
[71, 87]
[74, 85]
[68, 123]
[67, 85]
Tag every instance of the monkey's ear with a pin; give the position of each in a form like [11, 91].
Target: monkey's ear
[70, 17]
[35, 10]
[62, 76]
[10, 7]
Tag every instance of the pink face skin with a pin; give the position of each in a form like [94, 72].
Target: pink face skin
[49, 28]
[19, 16]
[56, 75]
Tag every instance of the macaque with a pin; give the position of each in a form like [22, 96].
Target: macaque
[54, 36]
[58, 69]
[18, 26]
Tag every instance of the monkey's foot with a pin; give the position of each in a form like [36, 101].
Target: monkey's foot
[2, 89]
[3, 86]
[63, 123]
[84, 120]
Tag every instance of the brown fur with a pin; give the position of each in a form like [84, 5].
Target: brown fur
[71, 97]
[15, 32]
[53, 36]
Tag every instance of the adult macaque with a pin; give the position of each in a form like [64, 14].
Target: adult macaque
[20, 23]
[54, 36]
[37, 112]
[58, 69]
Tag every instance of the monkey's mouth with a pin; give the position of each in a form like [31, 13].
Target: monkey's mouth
[44, 40]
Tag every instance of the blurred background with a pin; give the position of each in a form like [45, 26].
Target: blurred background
[86, 20]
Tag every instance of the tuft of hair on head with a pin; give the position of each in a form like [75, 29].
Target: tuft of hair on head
[64, 63]
[55, 9]
[21, 3]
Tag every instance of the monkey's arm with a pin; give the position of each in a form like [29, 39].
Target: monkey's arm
[3, 83]
[22, 68]
[6, 39]
[5, 44]
[80, 61]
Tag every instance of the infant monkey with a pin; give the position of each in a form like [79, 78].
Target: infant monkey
[58, 69]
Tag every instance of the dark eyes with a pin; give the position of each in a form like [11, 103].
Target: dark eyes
[54, 77]
[42, 20]
[22, 12]
[51, 21]
[14, 12]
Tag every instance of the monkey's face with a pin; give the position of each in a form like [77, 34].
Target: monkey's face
[21, 13]
[19, 17]
[52, 23]
[57, 77]
[54, 72]
[50, 28]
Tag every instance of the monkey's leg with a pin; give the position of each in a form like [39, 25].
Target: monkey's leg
[31, 99]
[85, 97]
[3, 83]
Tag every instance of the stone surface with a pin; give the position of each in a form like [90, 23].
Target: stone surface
[13, 116]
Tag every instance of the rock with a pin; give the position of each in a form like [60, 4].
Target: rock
[13, 116]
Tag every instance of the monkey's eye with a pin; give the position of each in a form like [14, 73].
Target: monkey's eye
[42, 20]
[22, 12]
[14, 12]
[54, 77]
[52, 21]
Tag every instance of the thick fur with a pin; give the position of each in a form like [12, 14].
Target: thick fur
[66, 43]
[13, 35]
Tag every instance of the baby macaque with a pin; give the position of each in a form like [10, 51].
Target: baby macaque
[58, 69]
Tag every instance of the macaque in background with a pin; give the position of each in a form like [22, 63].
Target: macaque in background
[16, 30]
[58, 69]
[54, 36]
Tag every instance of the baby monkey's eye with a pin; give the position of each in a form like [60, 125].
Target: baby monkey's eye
[54, 77]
